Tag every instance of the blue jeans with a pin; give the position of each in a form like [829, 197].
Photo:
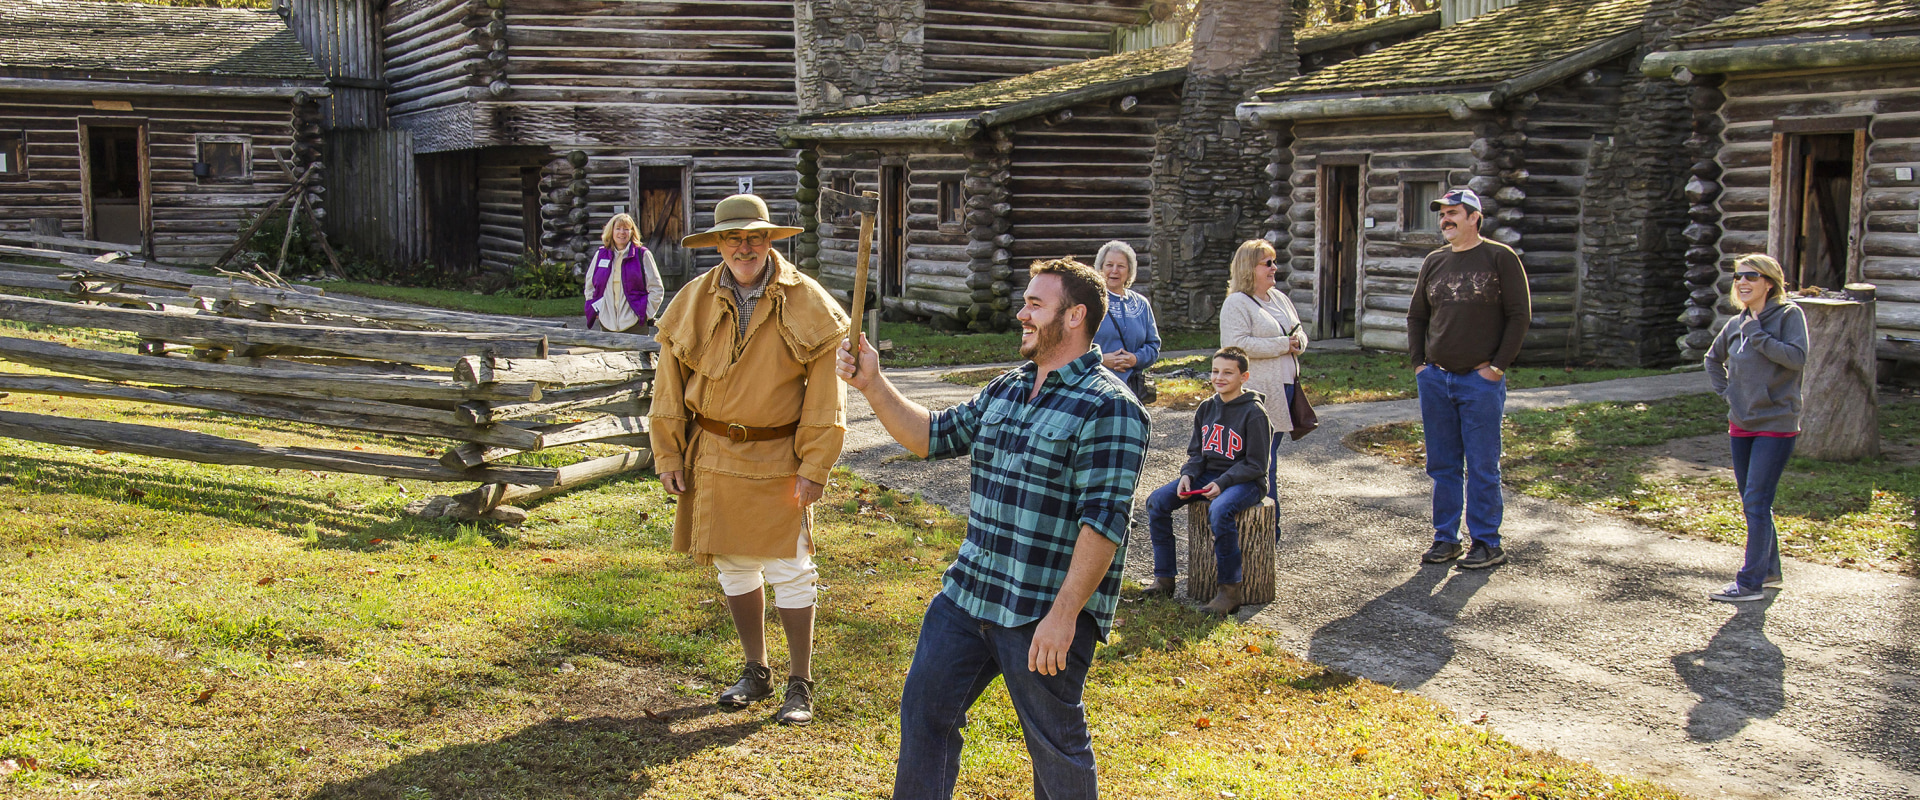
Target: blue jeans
[1226, 529]
[1757, 464]
[1461, 415]
[1273, 467]
[957, 658]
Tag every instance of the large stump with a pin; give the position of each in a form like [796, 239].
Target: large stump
[1256, 553]
[1839, 418]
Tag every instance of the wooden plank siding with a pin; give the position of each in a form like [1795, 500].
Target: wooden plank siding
[974, 41]
[192, 220]
[1888, 253]
[344, 37]
[1088, 181]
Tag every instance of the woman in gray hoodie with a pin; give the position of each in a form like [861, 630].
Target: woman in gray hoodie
[1755, 364]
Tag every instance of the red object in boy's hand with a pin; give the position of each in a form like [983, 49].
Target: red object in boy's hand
[1194, 493]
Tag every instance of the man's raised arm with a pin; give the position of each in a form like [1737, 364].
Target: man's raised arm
[908, 422]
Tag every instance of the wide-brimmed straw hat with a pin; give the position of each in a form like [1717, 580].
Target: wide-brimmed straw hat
[741, 212]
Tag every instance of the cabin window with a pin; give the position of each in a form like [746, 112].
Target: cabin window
[844, 184]
[950, 204]
[223, 159]
[13, 154]
[1419, 213]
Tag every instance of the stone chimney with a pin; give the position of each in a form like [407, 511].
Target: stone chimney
[850, 53]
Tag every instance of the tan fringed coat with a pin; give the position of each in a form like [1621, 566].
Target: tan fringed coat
[740, 494]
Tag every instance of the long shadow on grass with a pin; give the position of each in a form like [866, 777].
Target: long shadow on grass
[604, 756]
[1739, 676]
[1400, 637]
[235, 502]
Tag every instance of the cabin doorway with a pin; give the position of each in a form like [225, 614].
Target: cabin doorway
[114, 187]
[530, 213]
[1817, 231]
[1338, 280]
[662, 210]
[893, 233]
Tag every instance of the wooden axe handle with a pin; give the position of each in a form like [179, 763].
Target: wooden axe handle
[861, 262]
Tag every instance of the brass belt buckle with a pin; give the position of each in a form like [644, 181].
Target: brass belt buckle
[737, 432]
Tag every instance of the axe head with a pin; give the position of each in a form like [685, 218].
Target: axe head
[834, 203]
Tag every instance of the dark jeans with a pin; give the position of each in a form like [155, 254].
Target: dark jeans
[1757, 464]
[1461, 417]
[957, 658]
[1226, 529]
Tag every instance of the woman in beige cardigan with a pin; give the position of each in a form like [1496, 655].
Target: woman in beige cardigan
[1259, 319]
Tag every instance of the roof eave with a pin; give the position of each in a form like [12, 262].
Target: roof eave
[1783, 57]
[1458, 105]
[954, 131]
[1413, 23]
[314, 87]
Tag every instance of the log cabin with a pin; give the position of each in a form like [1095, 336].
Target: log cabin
[1807, 139]
[525, 124]
[1536, 106]
[151, 127]
[977, 182]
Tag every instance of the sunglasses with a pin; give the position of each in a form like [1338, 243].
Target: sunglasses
[1747, 276]
[1268, 262]
[736, 240]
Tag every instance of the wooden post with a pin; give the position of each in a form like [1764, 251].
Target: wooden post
[1839, 419]
[1256, 553]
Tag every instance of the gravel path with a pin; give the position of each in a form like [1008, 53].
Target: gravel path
[1596, 641]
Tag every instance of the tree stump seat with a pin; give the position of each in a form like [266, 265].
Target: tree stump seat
[1256, 552]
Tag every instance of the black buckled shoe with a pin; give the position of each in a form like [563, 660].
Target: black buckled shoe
[798, 709]
[756, 684]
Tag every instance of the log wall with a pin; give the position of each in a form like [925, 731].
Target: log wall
[1890, 250]
[436, 51]
[192, 221]
[937, 264]
[502, 203]
[973, 41]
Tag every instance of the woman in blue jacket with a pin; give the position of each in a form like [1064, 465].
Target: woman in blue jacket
[1128, 339]
[1755, 364]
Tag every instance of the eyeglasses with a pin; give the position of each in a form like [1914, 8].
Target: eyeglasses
[748, 240]
[1747, 276]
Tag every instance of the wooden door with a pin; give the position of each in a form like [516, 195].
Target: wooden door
[1337, 284]
[1817, 224]
[115, 194]
[893, 230]
[660, 210]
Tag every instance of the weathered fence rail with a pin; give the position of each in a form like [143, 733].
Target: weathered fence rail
[491, 386]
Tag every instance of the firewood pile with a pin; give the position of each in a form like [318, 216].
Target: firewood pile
[490, 386]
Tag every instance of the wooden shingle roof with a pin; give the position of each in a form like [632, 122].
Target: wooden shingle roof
[1493, 47]
[1170, 60]
[133, 38]
[1799, 18]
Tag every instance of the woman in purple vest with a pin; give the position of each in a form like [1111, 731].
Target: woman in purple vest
[624, 292]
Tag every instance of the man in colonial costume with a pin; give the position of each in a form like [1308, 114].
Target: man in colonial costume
[748, 419]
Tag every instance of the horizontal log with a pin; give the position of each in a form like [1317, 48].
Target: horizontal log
[572, 476]
[362, 415]
[473, 454]
[406, 347]
[481, 413]
[259, 380]
[427, 318]
[556, 371]
[202, 448]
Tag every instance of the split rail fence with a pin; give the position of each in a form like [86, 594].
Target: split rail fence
[490, 386]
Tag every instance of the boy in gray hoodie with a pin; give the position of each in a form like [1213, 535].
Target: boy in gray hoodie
[1227, 464]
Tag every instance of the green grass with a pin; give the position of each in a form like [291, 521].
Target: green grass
[178, 630]
[456, 300]
[1604, 456]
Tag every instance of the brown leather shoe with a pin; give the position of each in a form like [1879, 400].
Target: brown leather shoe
[798, 709]
[756, 684]
[1225, 601]
[1161, 587]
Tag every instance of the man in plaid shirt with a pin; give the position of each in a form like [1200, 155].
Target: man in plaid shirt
[1057, 445]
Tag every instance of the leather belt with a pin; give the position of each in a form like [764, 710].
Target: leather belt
[742, 433]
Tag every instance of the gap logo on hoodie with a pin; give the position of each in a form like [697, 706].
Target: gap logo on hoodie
[1218, 438]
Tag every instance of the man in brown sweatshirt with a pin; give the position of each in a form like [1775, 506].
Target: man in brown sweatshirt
[1468, 317]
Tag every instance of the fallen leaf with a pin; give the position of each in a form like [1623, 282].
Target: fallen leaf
[1179, 681]
[1252, 648]
[1359, 753]
[1480, 720]
[203, 697]
[135, 492]
[356, 447]
[99, 452]
[1202, 722]
[433, 558]
[375, 541]
[546, 560]
[651, 715]
[264, 581]
[372, 571]
[304, 750]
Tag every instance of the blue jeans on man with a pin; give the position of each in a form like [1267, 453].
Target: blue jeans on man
[957, 658]
[1461, 416]
[1221, 515]
[1757, 464]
